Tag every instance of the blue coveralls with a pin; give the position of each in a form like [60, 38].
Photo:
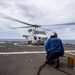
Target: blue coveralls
[54, 48]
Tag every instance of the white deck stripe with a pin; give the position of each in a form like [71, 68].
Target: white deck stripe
[71, 53]
[22, 52]
[33, 52]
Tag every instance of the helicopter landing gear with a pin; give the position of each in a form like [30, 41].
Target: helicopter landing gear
[29, 42]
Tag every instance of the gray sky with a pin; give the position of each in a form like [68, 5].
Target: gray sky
[43, 12]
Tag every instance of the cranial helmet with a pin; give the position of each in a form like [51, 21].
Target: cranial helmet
[53, 35]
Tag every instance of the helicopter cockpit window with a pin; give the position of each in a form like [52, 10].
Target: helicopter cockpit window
[42, 32]
[39, 32]
[36, 32]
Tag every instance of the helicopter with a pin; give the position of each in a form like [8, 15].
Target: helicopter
[36, 34]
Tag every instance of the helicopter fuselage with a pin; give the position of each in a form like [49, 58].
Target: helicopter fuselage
[36, 36]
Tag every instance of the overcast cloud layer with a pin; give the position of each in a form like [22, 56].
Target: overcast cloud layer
[43, 12]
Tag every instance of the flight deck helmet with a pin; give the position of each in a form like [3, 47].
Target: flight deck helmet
[53, 35]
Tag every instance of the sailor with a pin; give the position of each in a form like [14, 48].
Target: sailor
[54, 49]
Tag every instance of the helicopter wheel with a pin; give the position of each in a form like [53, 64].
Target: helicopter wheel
[29, 42]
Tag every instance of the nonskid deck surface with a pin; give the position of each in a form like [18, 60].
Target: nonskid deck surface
[26, 60]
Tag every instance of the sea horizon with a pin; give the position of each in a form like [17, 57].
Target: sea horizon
[25, 40]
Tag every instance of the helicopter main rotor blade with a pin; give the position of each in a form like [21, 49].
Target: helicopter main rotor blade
[66, 24]
[32, 25]
[20, 27]
[16, 20]
[73, 23]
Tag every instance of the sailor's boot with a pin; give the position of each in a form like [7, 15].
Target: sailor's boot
[57, 65]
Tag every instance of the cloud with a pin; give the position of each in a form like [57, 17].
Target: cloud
[43, 12]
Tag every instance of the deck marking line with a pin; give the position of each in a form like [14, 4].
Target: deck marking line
[70, 51]
[33, 52]
[22, 52]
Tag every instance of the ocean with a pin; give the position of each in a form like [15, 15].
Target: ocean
[68, 41]
[25, 41]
